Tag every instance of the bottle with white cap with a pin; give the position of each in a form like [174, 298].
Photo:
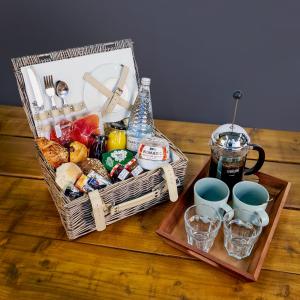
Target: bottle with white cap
[140, 123]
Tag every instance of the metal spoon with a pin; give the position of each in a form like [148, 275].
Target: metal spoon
[62, 90]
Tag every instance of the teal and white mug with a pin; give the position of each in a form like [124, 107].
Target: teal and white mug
[212, 192]
[252, 197]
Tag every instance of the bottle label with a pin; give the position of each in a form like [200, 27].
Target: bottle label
[153, 153]
[123, 174]
[133, 143]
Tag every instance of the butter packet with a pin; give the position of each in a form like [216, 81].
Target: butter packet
[83, 185]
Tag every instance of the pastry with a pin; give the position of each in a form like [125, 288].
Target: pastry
[54, 153]
[78, 152]
[93, 164]
[67, 174]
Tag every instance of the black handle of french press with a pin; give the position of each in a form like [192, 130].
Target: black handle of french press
[260, 161]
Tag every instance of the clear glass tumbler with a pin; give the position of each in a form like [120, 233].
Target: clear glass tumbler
[242, 229]
[202, 224]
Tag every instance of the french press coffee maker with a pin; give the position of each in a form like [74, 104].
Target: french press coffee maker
[230, 145]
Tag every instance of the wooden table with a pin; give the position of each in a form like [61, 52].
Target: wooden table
[129, 260]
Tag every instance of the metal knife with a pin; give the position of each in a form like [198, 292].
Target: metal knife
[36, 88]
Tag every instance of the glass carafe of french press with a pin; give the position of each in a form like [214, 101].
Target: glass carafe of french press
[230, 145]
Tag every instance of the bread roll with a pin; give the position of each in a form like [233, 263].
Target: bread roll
[67, 174]
[54, 153]
[93, 164]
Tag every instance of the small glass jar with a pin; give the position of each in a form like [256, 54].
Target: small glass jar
[119, 173]
[116, 137]
[98, 147]
[134, 168]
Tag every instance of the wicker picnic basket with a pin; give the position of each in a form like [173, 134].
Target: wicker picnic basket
[97, 209]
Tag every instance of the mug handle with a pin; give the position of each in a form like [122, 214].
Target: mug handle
[260, 161]
[264, 217]
[227, 208]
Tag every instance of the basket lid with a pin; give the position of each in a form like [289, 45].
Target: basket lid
[70, 65]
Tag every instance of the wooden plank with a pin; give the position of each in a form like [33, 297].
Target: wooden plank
[288, 172]
[39, 268]
[20, 159]
[13, 121]
[26, 212]
[280, 146]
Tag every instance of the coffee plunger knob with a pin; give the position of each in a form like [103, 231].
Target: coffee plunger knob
[237, 95]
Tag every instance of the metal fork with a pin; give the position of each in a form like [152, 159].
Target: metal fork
[50, 89]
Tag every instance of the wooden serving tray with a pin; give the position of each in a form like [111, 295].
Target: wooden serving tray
[173, 231]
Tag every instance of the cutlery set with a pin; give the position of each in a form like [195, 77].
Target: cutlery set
[49, 113]
[56, 92]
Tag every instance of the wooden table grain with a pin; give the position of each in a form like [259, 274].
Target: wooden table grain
[128, 260]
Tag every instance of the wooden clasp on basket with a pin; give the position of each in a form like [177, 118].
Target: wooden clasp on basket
[113, 98]
[100, 209]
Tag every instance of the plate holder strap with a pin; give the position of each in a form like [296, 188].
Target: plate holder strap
[113, 98]
[98, 210]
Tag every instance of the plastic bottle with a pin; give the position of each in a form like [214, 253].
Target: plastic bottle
[140, 123]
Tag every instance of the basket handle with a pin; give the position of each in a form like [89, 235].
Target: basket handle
[99, 207]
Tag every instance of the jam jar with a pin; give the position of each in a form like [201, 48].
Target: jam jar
[119, 173]
[98, 147]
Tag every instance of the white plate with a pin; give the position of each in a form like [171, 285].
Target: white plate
[108, 75]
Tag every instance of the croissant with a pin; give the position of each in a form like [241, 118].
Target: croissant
[54, 153]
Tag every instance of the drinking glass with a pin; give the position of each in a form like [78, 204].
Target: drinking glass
[202, 224]
[241, 231]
